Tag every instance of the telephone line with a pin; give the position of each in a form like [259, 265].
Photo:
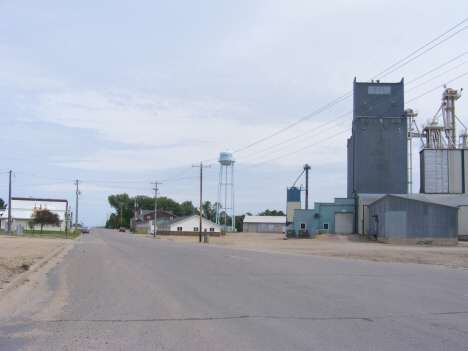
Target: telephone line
[345, 96]
[344, 115]
[274, 159]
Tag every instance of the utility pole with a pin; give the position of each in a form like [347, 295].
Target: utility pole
[201, 194]
[76, 217]
[155, 206]
[9, 207]
[134, 216]
[66, 220]
[306, 168]
[120, 214]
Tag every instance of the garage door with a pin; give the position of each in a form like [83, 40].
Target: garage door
[344, 223]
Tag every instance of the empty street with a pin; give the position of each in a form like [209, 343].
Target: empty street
[116, 291]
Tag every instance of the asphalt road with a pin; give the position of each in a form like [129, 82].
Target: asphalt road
[115, 291]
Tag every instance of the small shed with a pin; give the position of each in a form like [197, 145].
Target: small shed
[264, 224]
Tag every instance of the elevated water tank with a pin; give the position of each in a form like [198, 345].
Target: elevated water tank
[226, 158]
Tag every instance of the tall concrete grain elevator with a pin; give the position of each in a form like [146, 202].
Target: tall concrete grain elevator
[377, 149]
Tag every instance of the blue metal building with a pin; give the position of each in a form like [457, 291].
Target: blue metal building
[336, 217]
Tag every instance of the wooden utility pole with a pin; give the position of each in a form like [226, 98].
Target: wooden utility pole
[76, 214]
[120, 214]
[201, 195]
[155, 206]
[9, 207]
[306, 168]
[134, 217]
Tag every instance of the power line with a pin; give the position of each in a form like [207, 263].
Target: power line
[288, 154]
[329, 122]
[414, 58]
[422, 47]
[321, 141]
[348, 94]
[37, 176]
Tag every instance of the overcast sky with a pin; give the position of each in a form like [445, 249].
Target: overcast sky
[120, 94]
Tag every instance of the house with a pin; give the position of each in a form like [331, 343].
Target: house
[189, 226]
[149, 215]
[23, 208]
[145, 220]
[2, 214]
[148, 226]
[264, 224]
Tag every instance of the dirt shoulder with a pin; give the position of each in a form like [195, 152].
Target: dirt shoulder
[356, 247]
[19, 254]
[24, 265]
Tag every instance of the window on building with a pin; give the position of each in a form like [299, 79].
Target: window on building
[179, 229]
[195, 229]
[303, 226]
[325, 225]
[379, 89]
[212, 230]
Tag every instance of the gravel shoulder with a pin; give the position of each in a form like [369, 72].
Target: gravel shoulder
[356, 247]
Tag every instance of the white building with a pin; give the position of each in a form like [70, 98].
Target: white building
[23, 208]
[264, 224]
[189, 225]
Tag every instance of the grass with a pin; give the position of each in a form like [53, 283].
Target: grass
[48, 233]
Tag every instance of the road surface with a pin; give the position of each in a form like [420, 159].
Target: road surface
[116, 291]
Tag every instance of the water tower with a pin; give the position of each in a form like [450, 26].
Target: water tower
[226, 161]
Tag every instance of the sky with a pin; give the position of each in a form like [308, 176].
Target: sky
[119, 94]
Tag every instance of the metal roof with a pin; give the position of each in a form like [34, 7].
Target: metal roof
[367, 199]
[22, 208]
[37, 199]
[454, 200]
[265, 219]
[180, 219]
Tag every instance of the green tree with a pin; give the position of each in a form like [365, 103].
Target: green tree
[2, 203]
[113, 221]
[123, 205]
[271, 213]
[239, 220]
[209, 210]
[167, 204]
[188, 209]
[144, 202]
[45, 217]
[31, 224]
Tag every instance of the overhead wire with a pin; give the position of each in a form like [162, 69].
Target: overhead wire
[348, 94]
[320, 110]
[288, 154]
[329, 122]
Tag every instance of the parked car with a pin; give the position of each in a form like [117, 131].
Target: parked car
[85, 230]
[122, 229]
